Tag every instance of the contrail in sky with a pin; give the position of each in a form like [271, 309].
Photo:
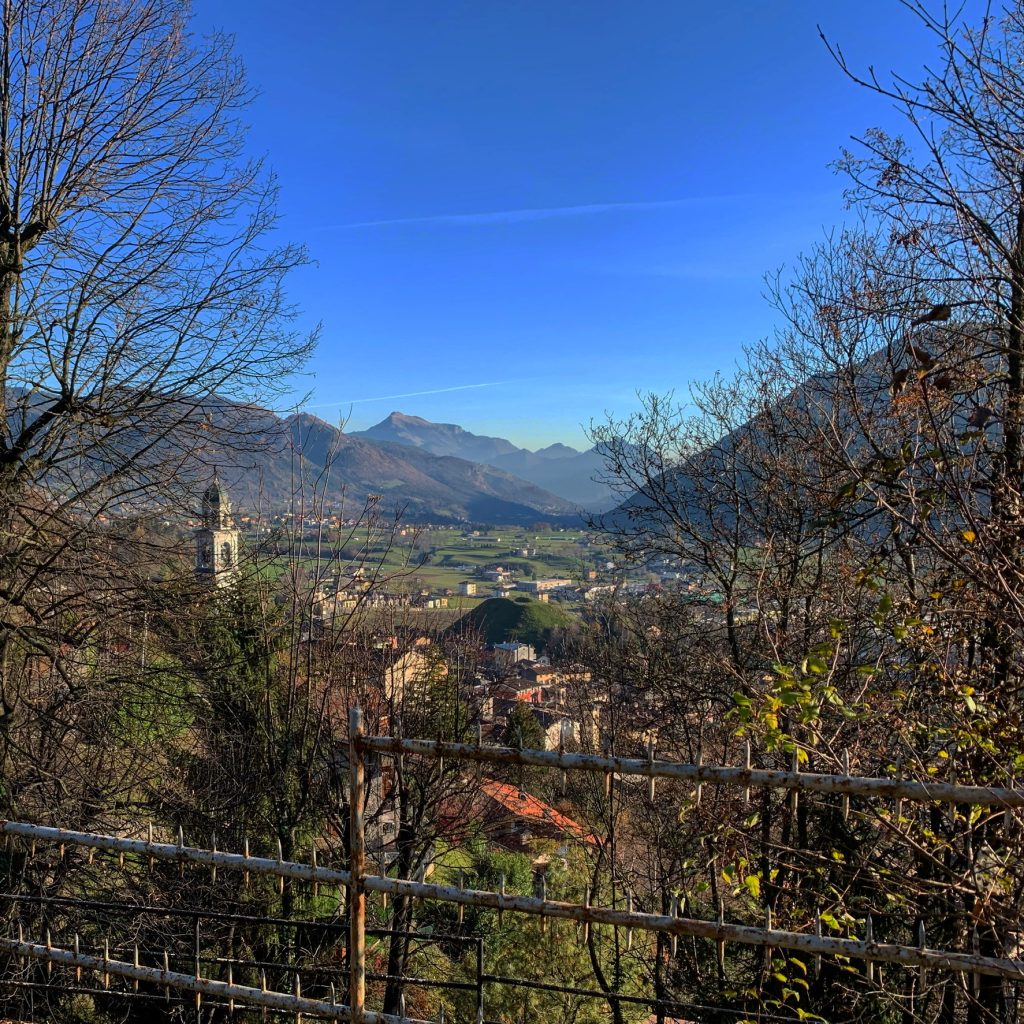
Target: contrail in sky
[410, 394]
[540, 213]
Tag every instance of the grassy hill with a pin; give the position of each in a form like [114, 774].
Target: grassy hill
[500, 619]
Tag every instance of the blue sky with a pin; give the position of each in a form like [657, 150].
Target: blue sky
[548, 205]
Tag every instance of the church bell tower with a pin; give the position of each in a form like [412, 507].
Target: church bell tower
[216, 538]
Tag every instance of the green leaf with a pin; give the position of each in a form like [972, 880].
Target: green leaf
[753, 883]
[807, 1015]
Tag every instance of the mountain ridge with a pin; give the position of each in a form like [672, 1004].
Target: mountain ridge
[303, 453]
[437, 438]
[558, 468]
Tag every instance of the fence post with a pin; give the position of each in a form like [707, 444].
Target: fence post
[479, 978]
[357, 866]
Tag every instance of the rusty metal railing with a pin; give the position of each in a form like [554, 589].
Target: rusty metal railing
[359, 882]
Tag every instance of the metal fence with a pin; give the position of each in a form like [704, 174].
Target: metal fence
[358, 881]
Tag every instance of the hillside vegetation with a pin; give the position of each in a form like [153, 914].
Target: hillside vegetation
[499, 619]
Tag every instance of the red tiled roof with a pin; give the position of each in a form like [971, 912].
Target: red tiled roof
[522, 805]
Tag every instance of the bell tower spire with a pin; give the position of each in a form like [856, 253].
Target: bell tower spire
[216, 539]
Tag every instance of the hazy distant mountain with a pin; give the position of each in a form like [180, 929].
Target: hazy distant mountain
[557, 468]
[556, 451]
[434, 487]
[575, 477]
[270, 463]
[437, 438]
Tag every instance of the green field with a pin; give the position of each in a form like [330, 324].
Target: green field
[439, 559]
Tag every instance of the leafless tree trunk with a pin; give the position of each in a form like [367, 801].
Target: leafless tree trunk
[139, 299]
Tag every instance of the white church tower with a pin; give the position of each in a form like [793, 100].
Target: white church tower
[216, 539]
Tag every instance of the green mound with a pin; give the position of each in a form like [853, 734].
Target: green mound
[498, 620]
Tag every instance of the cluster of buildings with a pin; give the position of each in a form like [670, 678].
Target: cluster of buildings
[497, 581]
[335, 599]
[510, 676]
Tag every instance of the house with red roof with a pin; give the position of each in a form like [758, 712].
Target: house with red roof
[513, 818]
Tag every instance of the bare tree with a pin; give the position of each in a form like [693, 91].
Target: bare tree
[140, 300]
[855, 492]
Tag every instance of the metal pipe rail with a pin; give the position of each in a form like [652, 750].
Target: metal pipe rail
[907, 956]
[699, 774]
[178, 852]
[357, 861]
[286, 1001]
[359, 883]
[880, 952]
